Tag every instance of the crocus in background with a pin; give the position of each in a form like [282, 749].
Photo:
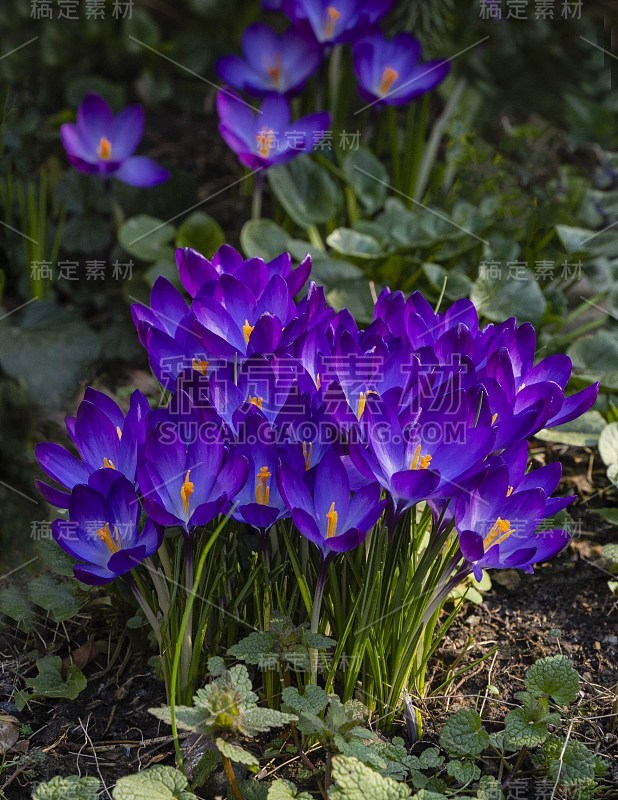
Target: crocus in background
[390, 71]
[102, 531]
[271, 63]
[100, 143]
[334, 21]
[268, 136]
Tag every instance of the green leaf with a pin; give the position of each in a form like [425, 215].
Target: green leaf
[86, 233]
[610, 551]
[581, 432]
[463, 772]
[236, 753]
[463, 734]
[353, 244]
[54, 339]
[286, 790]
[255, 648]
[457, 284]
[156, 783]
[489, 788]
[216, 666]
[313, 700]
[55, 558]
[14, 604]
[329, 271]
[355, 296]
[569, 763]
[519, 731]
[371, 188]
[355, 781]
[554, 676]
[147, 238]
[59, 788]
[263, 238]
[608, 514]
[201, 232]
[574, 240]
[305, 190]
[430, 758]
[608, 444]
[499, 297]
[260, 720]
[140, 26]
[61, 599]
[596, 357]
[50, 683]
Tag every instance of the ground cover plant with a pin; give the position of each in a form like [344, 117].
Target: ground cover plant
[337, 345]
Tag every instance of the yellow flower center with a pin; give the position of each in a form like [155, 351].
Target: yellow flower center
[247, 330]
[501, 530]
[420, 461]
[105, 535]
[118, 431]
[331, 517]
[104, 150]
[200, 366]
[331, 15]
[274, 70]
[494, 418]
[362, 402]
[186, 490]
[107, 464]
[389, 76]
[262, 489]
[307, 453]
[256, 401]
[509, 491]
[265, 141]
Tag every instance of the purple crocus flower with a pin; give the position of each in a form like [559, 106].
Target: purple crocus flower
[103, 144]
[268, 136]
[334, 21]
[259, 503]
[323, 510]
[390, 72]
[272, 63]
[104, 438]
[102, 530]
[498, 527]
[187, 476]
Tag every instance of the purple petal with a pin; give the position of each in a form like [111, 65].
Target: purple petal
[94, 120]
[141, 171]
[126, 131]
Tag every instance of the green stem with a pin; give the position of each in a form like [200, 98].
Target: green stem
[258, 193]
[187, 640]
[393, 139]
[181, 633]
[231, 777]
[315, 617]
[418, 147]
[148, 612]
[314, 237]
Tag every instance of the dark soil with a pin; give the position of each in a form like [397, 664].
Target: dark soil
[565, 607]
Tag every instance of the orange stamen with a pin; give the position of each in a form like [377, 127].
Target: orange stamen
[389, 76]
[104, 150]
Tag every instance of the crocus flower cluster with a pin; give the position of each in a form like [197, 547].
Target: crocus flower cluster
[283, 409]
[388, 72]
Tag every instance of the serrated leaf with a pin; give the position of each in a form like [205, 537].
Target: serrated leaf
[463, 734]
[313, 700]
[463, 772]
[255, 648]
[286, 790]
[355, 781]
[156, 783]
[260, 720]
[60, 788]
[555, 677]
[216, 666]
[489, 789]
[60, 598]
[430, 758]
[15, 605]
[519, 731]
[236, 753]
[50, 683]
[318, 641]
[568, 764]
